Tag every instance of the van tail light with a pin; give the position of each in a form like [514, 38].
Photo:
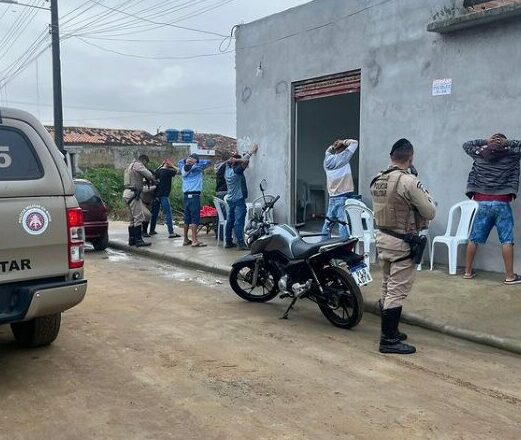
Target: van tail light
[76, 240]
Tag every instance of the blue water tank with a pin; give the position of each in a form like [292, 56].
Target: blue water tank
[172, 135]
[187, 135]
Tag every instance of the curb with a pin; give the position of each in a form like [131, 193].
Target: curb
[144, 252]
[507, 344]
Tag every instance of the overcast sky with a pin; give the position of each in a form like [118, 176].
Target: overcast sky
[144, 90]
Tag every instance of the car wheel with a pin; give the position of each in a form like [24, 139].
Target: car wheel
[100, 244]
[37, 332]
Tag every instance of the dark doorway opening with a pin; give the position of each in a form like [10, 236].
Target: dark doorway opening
[320, 119]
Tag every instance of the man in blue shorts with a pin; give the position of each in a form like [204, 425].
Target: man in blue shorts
[192, 171]
[493, 182]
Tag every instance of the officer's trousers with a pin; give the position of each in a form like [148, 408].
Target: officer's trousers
[398, 279]
[398, 276]
[137, 211]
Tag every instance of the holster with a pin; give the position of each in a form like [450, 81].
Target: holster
[137, 195]
[416, 242]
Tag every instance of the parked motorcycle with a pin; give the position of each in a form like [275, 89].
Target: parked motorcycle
[281, 262]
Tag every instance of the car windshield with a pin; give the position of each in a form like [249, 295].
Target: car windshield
[86, 193]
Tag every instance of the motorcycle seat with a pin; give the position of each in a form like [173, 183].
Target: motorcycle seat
[302, 250]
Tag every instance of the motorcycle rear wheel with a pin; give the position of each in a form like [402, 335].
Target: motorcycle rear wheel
[241, 278]
[344, 308]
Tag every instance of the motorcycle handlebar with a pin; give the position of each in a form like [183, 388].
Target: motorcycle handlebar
[330, 220]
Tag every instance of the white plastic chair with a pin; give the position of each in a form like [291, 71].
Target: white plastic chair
[359, 213]
[426, 233]
[221, 207]
[468, 210]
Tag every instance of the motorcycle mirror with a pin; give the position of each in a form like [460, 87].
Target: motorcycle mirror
[263, 185]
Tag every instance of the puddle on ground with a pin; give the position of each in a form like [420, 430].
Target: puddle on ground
[117, 256]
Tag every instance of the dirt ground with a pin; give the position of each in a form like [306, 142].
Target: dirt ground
[157, 352]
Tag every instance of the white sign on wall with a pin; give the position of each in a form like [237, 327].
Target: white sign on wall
[442, 87]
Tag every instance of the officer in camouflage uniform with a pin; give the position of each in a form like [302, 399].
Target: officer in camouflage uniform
[401, 206]
[133, 180]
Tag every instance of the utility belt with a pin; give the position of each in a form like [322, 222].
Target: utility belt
[416, 242]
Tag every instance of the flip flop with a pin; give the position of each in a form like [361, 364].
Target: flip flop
[469, 276]
[516, 280]
[199, 244]
[187, 242]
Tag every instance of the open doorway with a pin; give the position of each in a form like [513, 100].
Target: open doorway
[326, 109]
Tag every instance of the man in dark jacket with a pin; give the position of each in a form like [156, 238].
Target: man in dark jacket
[493, 182]
[220, 181]
[165, 174]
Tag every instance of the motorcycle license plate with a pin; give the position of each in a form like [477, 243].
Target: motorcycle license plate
[362, 275]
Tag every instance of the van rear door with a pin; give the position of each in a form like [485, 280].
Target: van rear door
[33, 215]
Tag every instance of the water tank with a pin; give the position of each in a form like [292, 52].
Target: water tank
[172, 135]
[187, 135]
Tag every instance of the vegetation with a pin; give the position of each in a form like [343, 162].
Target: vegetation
[110, 184]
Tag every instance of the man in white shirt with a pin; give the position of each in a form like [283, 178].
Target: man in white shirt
[340, 185]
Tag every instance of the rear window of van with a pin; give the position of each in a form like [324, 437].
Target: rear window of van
[18, 159]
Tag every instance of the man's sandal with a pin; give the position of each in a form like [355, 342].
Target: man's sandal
[516, 280]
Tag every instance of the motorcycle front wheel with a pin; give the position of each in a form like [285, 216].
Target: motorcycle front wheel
[344, 304]
[241, 281]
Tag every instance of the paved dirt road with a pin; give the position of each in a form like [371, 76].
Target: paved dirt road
[156, 352]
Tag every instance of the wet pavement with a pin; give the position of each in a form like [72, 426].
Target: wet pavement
[482, 308]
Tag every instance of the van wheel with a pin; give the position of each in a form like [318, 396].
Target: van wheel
[102, 243]
[37, 332]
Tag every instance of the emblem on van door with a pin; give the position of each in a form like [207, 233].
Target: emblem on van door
[34, 219]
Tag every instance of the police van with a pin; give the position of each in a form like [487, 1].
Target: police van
[41, 232]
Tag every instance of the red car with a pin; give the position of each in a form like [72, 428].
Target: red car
[94, 212]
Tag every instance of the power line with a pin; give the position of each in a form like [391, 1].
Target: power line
[144, 57]
[157, 22]
[77, 107]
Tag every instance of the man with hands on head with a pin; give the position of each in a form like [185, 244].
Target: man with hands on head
[340, 185]
[493, 182]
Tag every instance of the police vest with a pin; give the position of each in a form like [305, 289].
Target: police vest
[391, 210]
[132, 178]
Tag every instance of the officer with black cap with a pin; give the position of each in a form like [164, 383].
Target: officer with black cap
[402, 208]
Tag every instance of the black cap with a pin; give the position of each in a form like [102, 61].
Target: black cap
[194, 156]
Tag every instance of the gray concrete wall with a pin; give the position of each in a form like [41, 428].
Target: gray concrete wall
[399, 60]
[118, 157]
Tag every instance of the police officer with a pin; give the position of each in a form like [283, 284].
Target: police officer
[402, 208]
[133, 180]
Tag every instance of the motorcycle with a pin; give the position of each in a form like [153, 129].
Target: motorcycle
[281, 263]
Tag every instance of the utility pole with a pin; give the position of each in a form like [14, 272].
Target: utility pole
[57, 77]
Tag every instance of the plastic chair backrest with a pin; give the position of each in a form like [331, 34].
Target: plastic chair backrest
[220, 205]
[357, 212]
[259, 201]
[468, 210]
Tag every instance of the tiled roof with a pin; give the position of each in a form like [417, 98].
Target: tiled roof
[106, 136]
[224, 145]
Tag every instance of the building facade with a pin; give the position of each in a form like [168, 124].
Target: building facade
[439, 72]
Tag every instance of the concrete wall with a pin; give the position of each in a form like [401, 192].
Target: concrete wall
[93, 156]
[399, 60]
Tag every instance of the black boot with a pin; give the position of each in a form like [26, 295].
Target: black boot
[401, 336]
[389, 342]
[145, 229]
[138, 237]
[131, 238]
